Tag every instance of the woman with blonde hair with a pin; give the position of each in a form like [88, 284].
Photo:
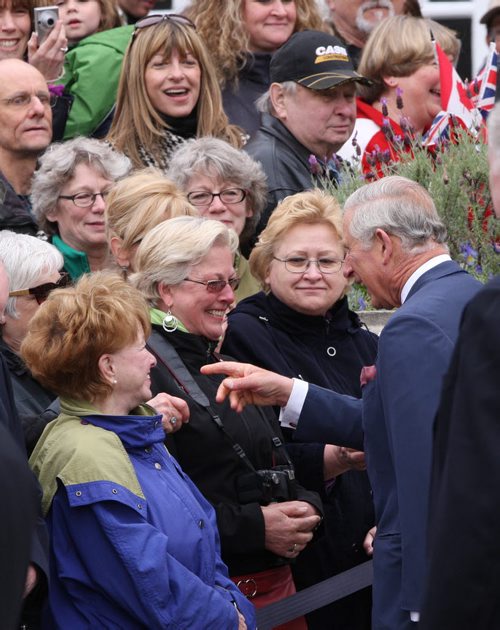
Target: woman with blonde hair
[301, 326]
[405, 94]
[135, 205]
[241, 36]
[189, 285]
[168, 92]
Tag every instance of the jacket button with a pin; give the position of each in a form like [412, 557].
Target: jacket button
[139, 506]
[201, 523]
[78, 493]
[114, 491]
[157, 466]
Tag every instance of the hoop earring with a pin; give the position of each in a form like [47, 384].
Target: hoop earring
[170, 322]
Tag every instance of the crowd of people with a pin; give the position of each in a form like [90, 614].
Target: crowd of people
[210, 427]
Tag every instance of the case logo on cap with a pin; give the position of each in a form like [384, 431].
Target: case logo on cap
[331, 53]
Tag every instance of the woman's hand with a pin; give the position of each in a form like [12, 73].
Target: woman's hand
[339, 459]
[174, 411]
[368, 541]
[48, 58]
[289, 527]
[242, 624]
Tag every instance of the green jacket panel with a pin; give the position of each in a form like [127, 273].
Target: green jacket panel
[91, 75]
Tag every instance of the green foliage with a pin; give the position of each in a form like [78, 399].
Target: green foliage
[456, 176]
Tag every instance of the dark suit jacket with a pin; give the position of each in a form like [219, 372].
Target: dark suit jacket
[18, 490]
[463, 586]
[393, 423]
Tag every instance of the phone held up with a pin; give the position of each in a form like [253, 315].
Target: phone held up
[45, 20]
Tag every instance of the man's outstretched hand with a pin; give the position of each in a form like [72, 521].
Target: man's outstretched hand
[249, 385]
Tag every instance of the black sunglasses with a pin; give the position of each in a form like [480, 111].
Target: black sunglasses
[41, 292]
[151, 20]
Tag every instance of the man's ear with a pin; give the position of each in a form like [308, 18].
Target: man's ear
[385, 244]
[120, 254]
[278, 100]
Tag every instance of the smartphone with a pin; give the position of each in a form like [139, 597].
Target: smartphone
[45, 20]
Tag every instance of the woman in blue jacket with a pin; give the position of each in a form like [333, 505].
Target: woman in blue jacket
[133, 543]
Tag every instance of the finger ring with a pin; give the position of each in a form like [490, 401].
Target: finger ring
[173, 421]
[64, 49]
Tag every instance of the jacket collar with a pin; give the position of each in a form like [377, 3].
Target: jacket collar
[140, 429]
[447, 268]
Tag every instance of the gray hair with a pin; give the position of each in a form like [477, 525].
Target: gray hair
[213, 157]
[169, 250]
[26, 258]
[57, 167]
[400, 207]
[494, 131]
[264, 103]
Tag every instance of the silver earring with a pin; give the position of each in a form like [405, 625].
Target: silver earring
[115, 381]
[170, 322]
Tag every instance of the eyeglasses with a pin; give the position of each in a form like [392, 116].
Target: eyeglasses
[84, 199]
[41, 292]
[216, 286]
[205, 198]
[151, 20]
[299, 264]
[20, 101]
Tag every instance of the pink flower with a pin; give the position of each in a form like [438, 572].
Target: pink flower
[368, 373]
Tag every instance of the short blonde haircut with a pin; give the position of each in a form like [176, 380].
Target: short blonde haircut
[136, 122]
[137, 203]
[110, 18]
[169, 251]
[75, 326]
[221, 26]
[398, 47]
[310, 207]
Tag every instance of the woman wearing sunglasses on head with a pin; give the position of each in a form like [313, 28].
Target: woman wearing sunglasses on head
[168, 92]
[33, 267]
[69, 199]
[237, 461]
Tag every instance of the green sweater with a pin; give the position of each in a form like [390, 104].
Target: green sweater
[91, 75]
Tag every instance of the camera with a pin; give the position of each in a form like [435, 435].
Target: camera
[45, 19]
[272, 485]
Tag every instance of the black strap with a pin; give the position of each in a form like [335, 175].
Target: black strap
[168, 356]
[314, 597]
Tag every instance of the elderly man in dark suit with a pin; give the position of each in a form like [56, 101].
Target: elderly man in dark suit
[395, 245]
[463, 585]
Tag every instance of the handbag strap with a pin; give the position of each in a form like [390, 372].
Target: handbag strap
[168, 356]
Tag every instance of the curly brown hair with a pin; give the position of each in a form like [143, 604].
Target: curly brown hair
[221, 26]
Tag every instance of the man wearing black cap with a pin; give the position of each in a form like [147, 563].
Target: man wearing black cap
[308, 113]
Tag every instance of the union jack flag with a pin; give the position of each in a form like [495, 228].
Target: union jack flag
[456, 106]
[487, 80]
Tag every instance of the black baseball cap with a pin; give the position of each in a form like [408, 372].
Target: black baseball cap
[314, 59]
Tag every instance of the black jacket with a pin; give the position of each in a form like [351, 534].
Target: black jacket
[15, 210]
[328, 351]
[207, 455]
[239, 98]
[31, 399]
[285, 162]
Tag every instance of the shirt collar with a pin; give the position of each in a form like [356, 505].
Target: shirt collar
[427, 266]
